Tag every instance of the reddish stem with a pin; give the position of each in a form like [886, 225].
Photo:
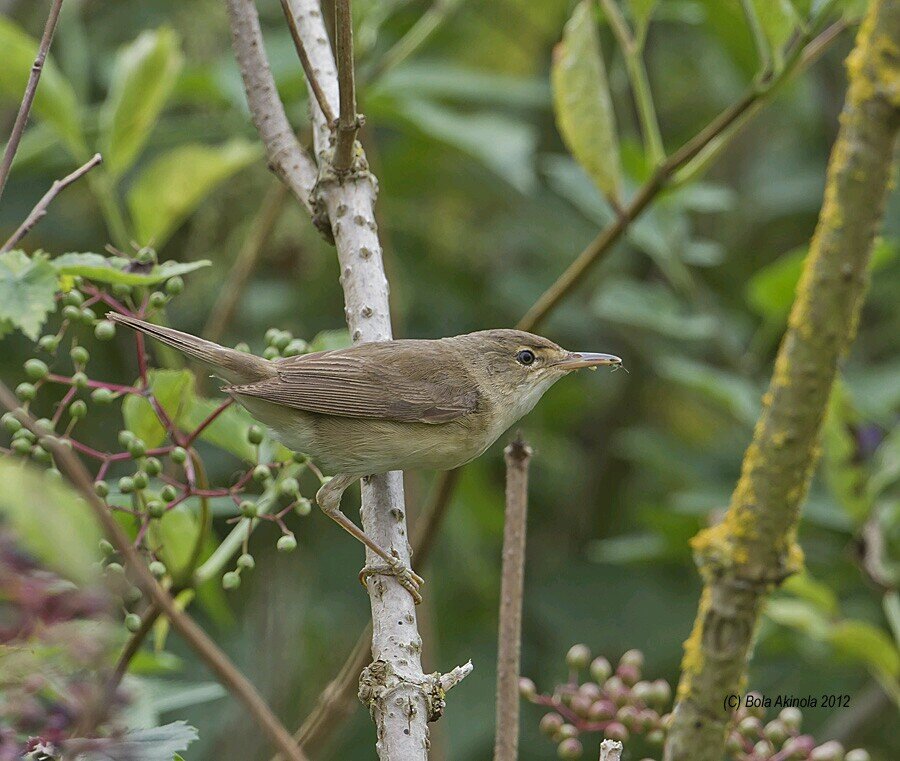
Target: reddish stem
[63, 403]
[208, 421]
[106, 299]
[114, 387]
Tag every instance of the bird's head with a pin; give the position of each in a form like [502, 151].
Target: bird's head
[518, 367]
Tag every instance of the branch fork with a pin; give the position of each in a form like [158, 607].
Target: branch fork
[381, 685]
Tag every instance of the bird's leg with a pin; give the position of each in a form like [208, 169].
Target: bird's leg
[329, 499]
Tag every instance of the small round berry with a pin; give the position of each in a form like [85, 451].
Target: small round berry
[137, 448]
[261, 473]
[35, 369]
[101, 488]
[73, 298]
[132, 622]
[303, 506]
[115, 569]
[295, 347]
[11, 423]
[174, 285]
[249, 509]
[79, 355]
[656, 737]
[271, 353]
[570, 748]
[286, 543]
[157, 568]
[600, 669]
[178, 455]
[105, 330]
[140, 480]
[48, 343]
[299, 457]
[628, 673]
[26, 391]
[527, 688]
[272, 335]
[750, 727]
[231, 580]
[289, 487]
[567, 730]
[858, 754]
[44, 425]
[254, 434]
[146, 256]
[78, 409]
[21, 446]
[242, 347]
[616, 731]
[578, 657]
[632, 658]
[152, 466]
[602, 710]
[830, 751]
[126, 484]
[791, 717]
[282, 340]
[776, 732]
[168, 493]
[79, 380]
[102, 395]
[158, 299]
[551, 724]
[87, 316]
[126, 437]
[132, 595]
[156, 508]
[71, 312]
[24, 433]
[246, 561]
[121, 290]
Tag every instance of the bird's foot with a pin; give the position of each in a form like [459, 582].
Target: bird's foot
[409, 579]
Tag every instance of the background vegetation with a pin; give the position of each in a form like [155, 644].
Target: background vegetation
[481, 207]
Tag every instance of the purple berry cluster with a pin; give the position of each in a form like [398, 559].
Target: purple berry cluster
[620, 705]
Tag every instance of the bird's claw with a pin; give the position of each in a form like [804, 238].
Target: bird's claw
[409, 579]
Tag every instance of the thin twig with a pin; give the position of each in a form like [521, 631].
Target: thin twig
[132, 646]
[247, 258]
[311, 77]
[40, 208]
[512, 585]
[192, 634]
[30, 91]
[348, 121]
[604, 242]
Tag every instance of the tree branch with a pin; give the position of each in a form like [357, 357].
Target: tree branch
[348, 121]
[30, 91]
[40, 209]
[286, 157]
[755, 547]
[192, 634]
[311, 77]
[512, 585]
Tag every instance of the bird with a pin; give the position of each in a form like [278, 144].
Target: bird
[408, 404]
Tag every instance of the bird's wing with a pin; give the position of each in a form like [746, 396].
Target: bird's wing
[382, 381]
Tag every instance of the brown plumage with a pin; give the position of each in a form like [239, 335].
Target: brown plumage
[390, 405]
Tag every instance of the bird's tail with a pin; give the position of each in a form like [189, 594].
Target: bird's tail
[233, 366]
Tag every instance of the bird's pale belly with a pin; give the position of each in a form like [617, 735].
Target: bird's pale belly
[362, 446]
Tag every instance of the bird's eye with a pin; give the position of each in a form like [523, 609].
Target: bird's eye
[525, 357]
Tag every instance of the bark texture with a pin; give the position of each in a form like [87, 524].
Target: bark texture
[755, 547]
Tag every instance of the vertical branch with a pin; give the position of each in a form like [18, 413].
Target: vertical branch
[348, 121]
[30, 91]
[506, 741]
[755, 547]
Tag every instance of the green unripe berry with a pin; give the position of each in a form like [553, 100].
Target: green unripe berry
[101, 488]
[44, 425]
[146, 256]
[71, 313]
[102, 395]
[126, 437]
[246, 561]
[178, 455]
[115, 568]
[242, 347]
[87, 316]
[289, 487]
[570, 748]
[137, 448]
[254, 434]
[157, 568]
[168, 493]
[48, 343]
[40, 454]
[121, 290]
[303, 506]
[271, 353]
[132, 595]
[286, 543]
[272, 335]
[299, 457]
[104, 330]
[158, 299]
[35, 369]
[830, 751]
[857, 754]
[24, 433]
[79, 380]
[174, 285]
[282, 340]
[79, 355]
[126, 484]
[578, 657]
[261, 473]
[231, 580]
[600, 669]
[78, 409]
[249, 509]
[295, 347]
[11, 423]
[132, 622]
[106, 548]
[140, 480]
[156, 509]
[152, 466]
[21, 446]
[26, 391]
[73, 298]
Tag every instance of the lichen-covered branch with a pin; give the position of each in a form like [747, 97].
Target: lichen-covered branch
[755, 546]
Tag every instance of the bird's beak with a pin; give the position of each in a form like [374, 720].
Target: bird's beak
[578, 359]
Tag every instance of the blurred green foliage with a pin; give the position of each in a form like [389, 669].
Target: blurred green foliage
[481, 207]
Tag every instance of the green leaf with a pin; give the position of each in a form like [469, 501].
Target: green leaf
[155, 744]
[778, 19]
[805, 587]
[864, 642]
[801, 615]
[50, 520]
[27, 291]
[143, 77]
[730, 391]
[175, 183]
[117, 269]
[228, 431]
[581, 101]
[55, 101]
[173, 537]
